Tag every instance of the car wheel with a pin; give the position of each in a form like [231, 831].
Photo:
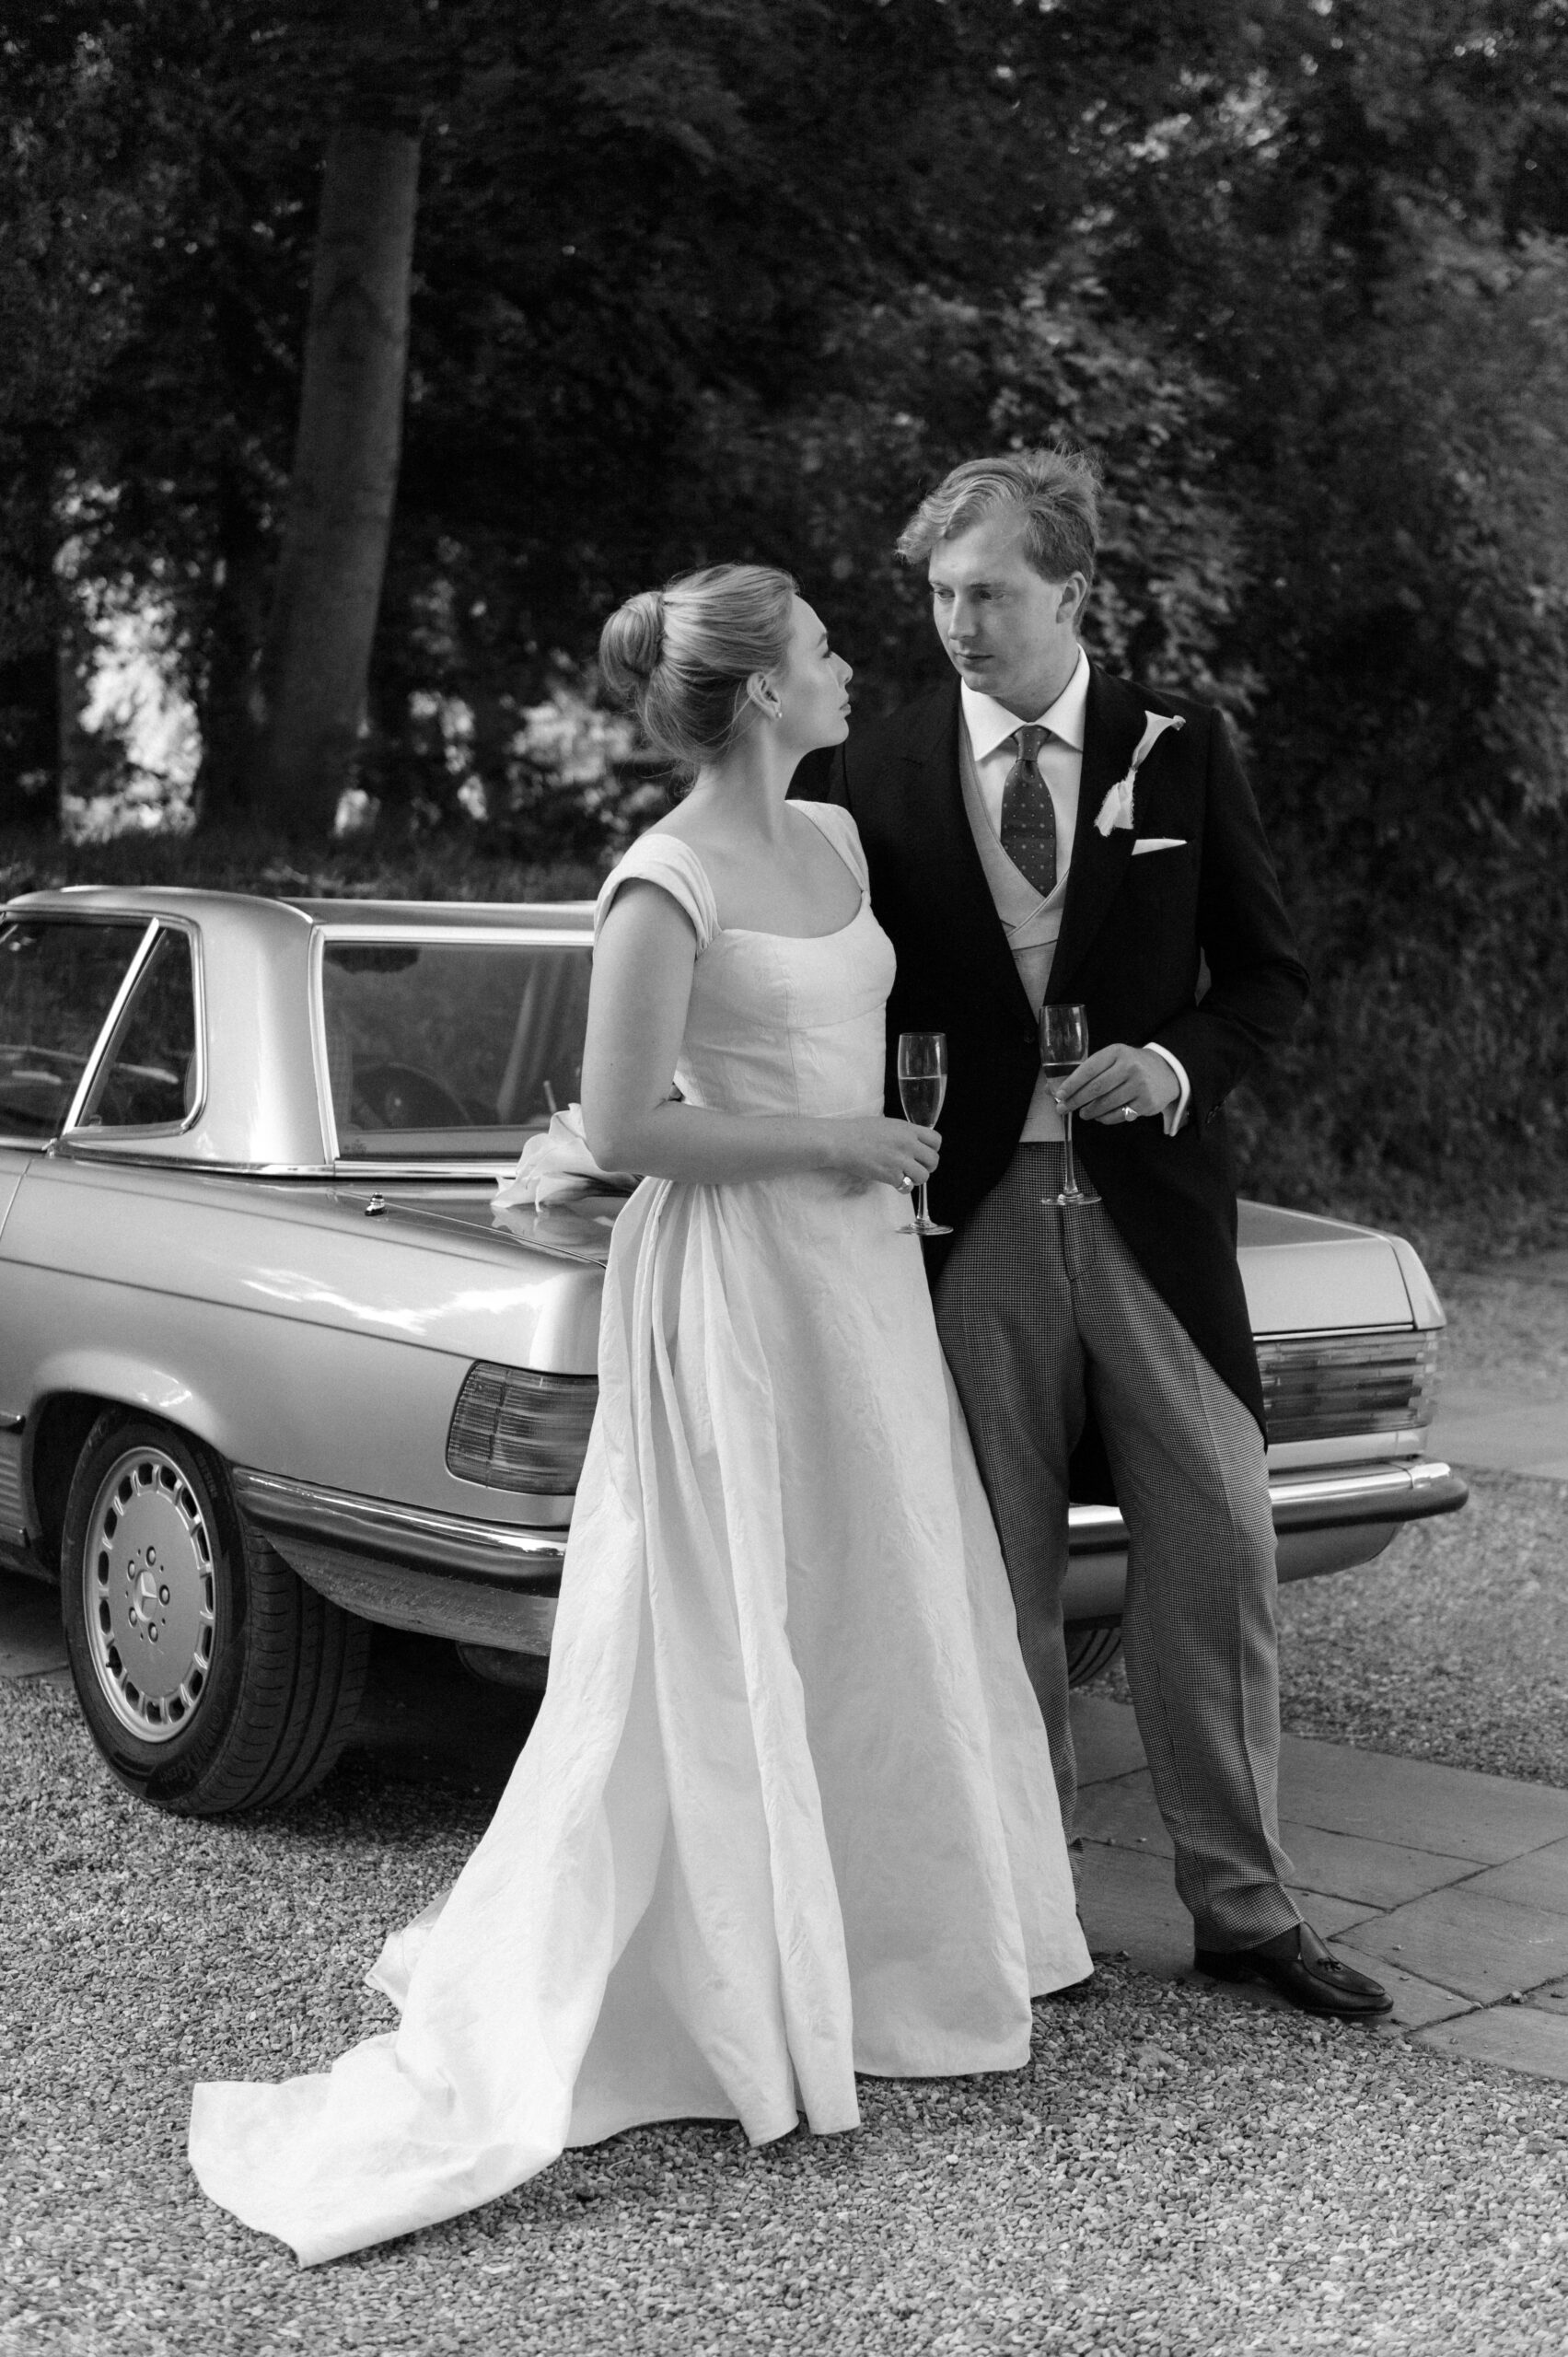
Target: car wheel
[1090, 1650]
[212, 1678]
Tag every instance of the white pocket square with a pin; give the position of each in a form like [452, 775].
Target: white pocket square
[1159, 842]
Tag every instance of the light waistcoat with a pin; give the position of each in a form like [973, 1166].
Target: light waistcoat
[1032, 921]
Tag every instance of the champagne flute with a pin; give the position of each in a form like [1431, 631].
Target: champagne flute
[923, 1084]
[1063, 1045]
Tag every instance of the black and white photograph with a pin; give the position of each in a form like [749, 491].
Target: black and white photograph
[783, 1178]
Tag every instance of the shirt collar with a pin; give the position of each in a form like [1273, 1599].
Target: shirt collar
[990, 724]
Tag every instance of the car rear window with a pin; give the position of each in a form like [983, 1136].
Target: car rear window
[441, 1051]
[58, 980]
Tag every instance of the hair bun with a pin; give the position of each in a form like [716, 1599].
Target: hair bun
[680, 656]
[632, 642]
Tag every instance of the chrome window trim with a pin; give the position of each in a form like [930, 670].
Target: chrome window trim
[438, 936]
[319, 935]
[350, 1173]
[457, 936]
[85, 1148]
[108, 1041]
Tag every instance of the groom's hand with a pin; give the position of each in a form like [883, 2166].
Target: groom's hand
[1110, 1080]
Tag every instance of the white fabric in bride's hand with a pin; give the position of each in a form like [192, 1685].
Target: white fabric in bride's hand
[558, 1164]
[787, 1811]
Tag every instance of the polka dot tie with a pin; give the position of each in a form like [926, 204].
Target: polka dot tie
[1028, 822]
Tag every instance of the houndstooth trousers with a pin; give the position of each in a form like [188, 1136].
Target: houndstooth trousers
[1043, 1311]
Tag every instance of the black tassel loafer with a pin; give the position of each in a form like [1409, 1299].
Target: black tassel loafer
[1297, 1964]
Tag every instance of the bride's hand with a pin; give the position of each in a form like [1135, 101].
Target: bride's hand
[876, 1151]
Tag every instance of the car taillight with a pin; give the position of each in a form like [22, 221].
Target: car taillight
[1330, 1387]
[515, 1429]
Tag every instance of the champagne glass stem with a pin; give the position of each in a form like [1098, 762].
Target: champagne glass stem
[1069, 1167]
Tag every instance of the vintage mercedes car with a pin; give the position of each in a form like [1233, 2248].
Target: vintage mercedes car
[274, 1368]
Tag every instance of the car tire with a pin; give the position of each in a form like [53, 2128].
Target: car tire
[1090, 1650]
[210, 1678]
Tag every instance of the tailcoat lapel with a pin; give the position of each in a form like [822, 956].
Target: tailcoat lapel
[1113, 723]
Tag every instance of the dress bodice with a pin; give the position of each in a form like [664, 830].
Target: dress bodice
[776, 1024]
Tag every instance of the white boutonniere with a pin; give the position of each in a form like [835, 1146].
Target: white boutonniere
[1116, 810]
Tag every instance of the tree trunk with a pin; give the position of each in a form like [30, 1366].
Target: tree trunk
[29, 739]
[316, 656]
[228, 687]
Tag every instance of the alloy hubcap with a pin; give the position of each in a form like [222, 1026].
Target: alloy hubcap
[148, 1593]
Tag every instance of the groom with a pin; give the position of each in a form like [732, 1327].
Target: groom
[1038, 830]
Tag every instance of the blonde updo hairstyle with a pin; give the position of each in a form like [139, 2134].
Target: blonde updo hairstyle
[680, 656]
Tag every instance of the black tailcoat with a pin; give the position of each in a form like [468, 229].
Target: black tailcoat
[1192, 947]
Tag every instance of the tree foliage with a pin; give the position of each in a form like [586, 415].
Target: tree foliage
[741, 277]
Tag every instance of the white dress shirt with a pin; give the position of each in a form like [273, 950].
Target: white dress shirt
[1031, 920]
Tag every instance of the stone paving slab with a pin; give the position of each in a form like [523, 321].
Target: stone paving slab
[1538, 1879]
[1328, 1913]
[1379, 1873]
[1106, 1738]
[1382, 1874]
[1129, 1904]
[1121, 1811]
[1410, 1803]
[1451, 1888]
[1483, 1947]
[1415, 1805]
[31, 1639]
[1517, 2036]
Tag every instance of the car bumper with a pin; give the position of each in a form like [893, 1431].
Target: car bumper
[1324, 1521]
[441, 1575]
[493, 1584]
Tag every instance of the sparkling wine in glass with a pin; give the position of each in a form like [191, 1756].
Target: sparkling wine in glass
[1063, 1044]
[923, 1085]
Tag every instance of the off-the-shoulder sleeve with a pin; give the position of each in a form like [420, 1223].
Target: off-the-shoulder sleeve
[839, 827]
[675, 867]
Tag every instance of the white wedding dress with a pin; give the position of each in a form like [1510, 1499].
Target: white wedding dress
[787, 1811]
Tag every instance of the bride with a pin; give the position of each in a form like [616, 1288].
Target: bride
[787, 1811]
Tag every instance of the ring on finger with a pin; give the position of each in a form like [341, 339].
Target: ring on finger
[1129, 1112]
[906, 1184]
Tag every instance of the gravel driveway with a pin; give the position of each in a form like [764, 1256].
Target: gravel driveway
[1175, 2172]
[1454, 1647]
